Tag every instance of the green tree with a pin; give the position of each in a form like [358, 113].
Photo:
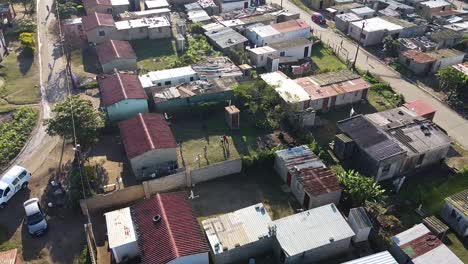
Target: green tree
[87, 120]
[392, 46]
[196, 28]
[359, 188]
[25, 25]
[452, 81]
[67, 9]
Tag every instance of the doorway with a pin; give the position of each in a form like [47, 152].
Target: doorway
[306, 201]
[306, 52]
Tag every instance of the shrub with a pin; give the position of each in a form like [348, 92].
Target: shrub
[13, 134]
[28, 42]
[25, 25]
[360, 189]
[75, 187]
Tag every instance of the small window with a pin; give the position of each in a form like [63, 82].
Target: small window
[256, 37]
[363, 35]
[282, 54]
[191, 79]
[159, 84]
[102, 33]
[261, 58]
[453, 213]
[167, 83]
[15, 181]
[21, 176]
[7, 190]
[356, 93]
[80, 27]
[159, 29]
[109, 10]
[420, 160]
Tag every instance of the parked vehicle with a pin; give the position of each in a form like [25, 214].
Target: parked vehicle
[12, 181]
[35, 217]
[318, 18]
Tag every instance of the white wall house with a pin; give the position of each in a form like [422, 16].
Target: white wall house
[455, 212]
[166, 78]
[261, 35]
[230, 5]
[374, 31]
[121, 234]
[360, 223]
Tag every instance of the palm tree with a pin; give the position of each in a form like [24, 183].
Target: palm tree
[359, 188]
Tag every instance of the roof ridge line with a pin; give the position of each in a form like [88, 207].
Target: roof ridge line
[145, 128]
[121, 85]
[114, 48]
[168, 226]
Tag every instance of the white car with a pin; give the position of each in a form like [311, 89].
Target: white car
[35, 217]
[12, 181]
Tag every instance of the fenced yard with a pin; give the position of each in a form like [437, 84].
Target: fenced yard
[195, 133]
[323, 59]
[153, 55]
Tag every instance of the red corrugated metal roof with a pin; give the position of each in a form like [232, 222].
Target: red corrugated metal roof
[9, 257]
[114, 49]
[417, 56]
[145, 132]
[421, 245]
[317, 181]
[317, 92]
[290, 25]
[97, 20]
[420, 107]
[120, 86]
[176, 235]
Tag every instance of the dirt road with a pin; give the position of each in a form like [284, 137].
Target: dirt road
[455, 125]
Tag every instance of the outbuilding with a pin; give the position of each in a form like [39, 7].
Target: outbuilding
[262, 35]
[360, 223]
[226, 39]
[240, 235]
[113, 7]
[166, 78]
[121, 235]
[122, 95]
[342, 21]
[312, 235]
[428, 8]
[150, 145]
[373, 30]
[363, 12]
[455, 212]
[98, 27]
[417, 61]
[116, 54]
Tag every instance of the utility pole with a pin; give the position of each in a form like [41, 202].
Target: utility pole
[358, 44]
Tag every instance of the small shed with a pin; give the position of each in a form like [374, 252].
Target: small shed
[343, 146]
[436, 226]
[455, 212]
[121, 234]
[246, 69]
[232, 116]
[360, 223]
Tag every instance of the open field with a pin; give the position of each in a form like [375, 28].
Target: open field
[153, 55]
[196, 133]
[323, 59]
[19, 76]
[429, 188]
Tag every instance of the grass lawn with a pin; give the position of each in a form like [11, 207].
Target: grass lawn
[430, 188]
[20, 78]
[382, 100]
[324, 59]
[153, 55]
[195, 134]
[84, 63]
[237, 191]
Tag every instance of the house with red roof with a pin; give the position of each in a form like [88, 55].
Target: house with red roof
[99, 27]
[113, 7]
[159, 230]
[122, 95]
[116, 54]
[421, 108]
[10, 257]
[149, 144]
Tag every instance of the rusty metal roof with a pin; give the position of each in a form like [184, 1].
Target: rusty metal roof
[318, 181]
[459, 201]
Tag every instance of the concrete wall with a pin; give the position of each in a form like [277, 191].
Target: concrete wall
[341, 100]
[341, 25]
[181, 103]
[151, 159]
[243, 253]
[159, 32]
[362, 234]
[120, 64]
[431, 157]
[460, 226]
[259, 60]
[126, 108]
[395, 167]
[226, 7]
[94, 37]
[296, 52]
[131, 33]
[201, 258]
[417, 68]
[281, 168]
[446, 62]
[118, 198]
[148, 188]
[216, 170]
[411, 32]
[259, 41]
[314, 255]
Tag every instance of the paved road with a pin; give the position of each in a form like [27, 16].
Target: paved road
[455, 125]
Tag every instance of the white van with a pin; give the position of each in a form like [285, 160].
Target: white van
[12, 181]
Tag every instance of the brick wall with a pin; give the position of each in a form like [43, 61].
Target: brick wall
[216, 170]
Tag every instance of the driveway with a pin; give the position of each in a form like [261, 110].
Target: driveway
[455, 125]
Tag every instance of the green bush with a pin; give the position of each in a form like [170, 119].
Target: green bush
[84, 257]
[28, 42]
[75, 187]
[25, 25]
[13, 134]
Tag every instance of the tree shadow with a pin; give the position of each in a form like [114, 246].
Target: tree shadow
[90, 60]
[25, 60]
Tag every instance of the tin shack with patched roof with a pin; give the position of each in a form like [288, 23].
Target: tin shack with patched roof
[116, 54]
[455, 212]
[122, 95]
[418, 245]
[150, 145]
